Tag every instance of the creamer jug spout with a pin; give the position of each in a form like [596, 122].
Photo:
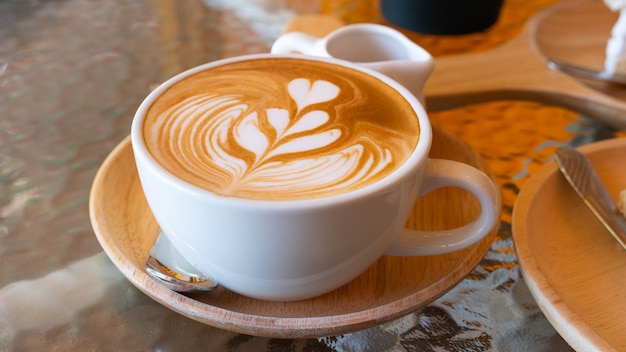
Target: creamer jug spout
[411, 74]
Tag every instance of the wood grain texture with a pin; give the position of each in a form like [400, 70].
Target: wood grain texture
[574, 268]
[391, 288]
[573, 31]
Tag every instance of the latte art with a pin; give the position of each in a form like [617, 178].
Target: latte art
[280, 133]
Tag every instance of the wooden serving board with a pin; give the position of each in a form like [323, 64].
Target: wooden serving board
[573, 31]
[391, 288]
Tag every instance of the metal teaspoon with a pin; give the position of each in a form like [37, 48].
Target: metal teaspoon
[587, 73]
[171, 269]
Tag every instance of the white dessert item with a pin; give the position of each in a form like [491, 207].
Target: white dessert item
[621, 202]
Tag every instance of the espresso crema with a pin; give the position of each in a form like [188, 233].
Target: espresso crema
[280, 129]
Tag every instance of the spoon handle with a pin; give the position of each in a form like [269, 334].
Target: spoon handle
[585, 73]
[167, 266]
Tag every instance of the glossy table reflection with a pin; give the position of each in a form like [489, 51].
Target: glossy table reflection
[72, 72]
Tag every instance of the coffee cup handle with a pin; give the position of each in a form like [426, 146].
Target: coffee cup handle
[446, 173]
[297, 42]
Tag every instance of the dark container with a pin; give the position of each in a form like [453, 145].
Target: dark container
[447, 17]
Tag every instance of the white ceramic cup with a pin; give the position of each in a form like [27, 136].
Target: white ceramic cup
[297, 249]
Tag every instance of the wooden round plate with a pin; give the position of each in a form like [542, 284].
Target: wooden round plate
[391, 288]
[574, 268]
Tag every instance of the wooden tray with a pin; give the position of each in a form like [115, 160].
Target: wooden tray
[574, 268]
[573, 31]
[391, 288]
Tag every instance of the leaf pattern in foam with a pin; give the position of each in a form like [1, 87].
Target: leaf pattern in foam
[304, 93]
[279, 119]
[216, 136]
[309, 122]
[249, 135]
[330, 172]
[311, 172]
[223, 119]
[307, 143]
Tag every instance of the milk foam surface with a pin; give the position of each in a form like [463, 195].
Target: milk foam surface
[280, 130]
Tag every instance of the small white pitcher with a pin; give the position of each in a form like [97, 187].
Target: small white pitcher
[374, 46]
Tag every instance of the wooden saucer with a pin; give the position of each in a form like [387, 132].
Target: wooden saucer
[391, 288]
